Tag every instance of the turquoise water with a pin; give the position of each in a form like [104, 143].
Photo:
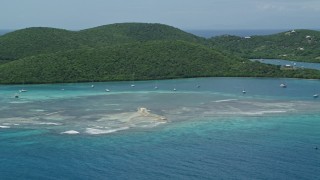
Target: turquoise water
[209, 132]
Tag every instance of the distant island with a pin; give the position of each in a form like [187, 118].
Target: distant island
[298, 45]
[142, 51]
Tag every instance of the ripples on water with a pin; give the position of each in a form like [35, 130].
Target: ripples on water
[205, 129]
[78, 108]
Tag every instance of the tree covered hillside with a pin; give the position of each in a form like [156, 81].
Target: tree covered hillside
[143, 51]
[35, 41]
[149, 60]
[32, 41]
[134, 32]
[301, 45]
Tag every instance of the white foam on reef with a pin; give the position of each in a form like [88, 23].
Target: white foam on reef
[288, 105]
[249, 108]
[141, 115]
[152, 125]
[225, 100]
[71, 132]
[94, 131]
[146, 113]
[37, 110]
[49, 123]
[49, 114]
[247, 113]
[4, 127]
[19, 120]
[263, 112]
[142, 118]
[18, 102]
[10, 124]
[112, 104]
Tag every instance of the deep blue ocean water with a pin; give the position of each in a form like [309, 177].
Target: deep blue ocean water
[212, 130]
[4, 31]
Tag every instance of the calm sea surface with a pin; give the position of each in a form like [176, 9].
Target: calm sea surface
[4, 31]
[206, 128]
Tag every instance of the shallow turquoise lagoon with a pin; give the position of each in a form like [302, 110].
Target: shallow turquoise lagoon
[204, 129]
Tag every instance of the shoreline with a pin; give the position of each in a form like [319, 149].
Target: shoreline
[147, 80]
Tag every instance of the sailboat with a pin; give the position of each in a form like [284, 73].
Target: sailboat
[22, 90]
[156, 85]
[132, 85]
[283, 85]
[92, 81]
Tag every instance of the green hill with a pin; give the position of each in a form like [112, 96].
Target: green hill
[35, 41]
[133, 32]
[143, 51]
[301, 45]
[147, 60]
[32, 41]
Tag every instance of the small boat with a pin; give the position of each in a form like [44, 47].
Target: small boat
[244, 91]
[156, 85]
[23, 90]
[92, 86]
[16, 95]
[174, 89]
[283, 85]
[107, 90]
[132, 81]
[315, 95]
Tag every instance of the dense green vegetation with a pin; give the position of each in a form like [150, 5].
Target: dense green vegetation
[126, 52]
[35, 41]
[134, 32]
[147, 60]
[301, 45]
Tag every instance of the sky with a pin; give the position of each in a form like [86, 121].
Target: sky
[183, 14]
